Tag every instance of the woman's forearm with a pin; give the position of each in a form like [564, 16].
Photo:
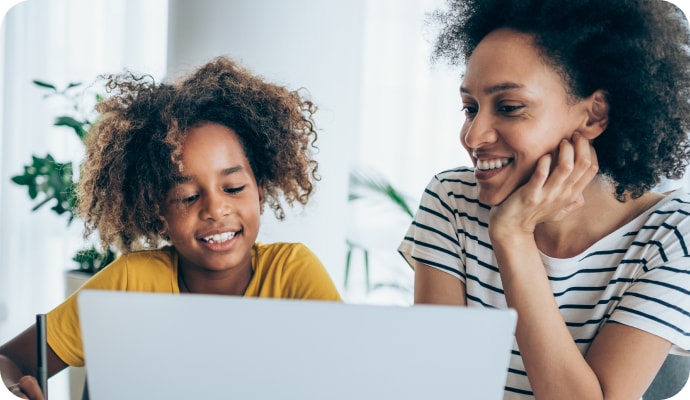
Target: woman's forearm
[554, 365]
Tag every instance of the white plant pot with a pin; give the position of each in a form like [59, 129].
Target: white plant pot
[73, 281]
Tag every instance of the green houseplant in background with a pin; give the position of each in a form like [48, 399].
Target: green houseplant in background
[49, 182]
[373, 186]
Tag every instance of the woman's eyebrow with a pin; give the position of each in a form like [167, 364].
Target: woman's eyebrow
[501, 87]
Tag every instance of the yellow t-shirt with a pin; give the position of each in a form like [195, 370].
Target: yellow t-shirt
[282, 270]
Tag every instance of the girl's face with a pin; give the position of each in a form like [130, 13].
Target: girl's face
[213, 213]
[516, 110]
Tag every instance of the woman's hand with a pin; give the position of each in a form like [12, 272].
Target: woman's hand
[551, 193]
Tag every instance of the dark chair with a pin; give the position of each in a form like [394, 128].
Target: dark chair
[671, 378]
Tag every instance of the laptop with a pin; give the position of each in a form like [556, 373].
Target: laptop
[165, 346]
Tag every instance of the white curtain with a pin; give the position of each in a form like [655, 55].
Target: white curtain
[58, 41]
[409, 129]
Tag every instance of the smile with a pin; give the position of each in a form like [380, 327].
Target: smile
[495, 163]
[219, 238]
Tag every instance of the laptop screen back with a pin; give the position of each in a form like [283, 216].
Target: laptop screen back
[146, 346]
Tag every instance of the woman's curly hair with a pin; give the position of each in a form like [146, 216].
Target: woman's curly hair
[134, 151]
[636, 51]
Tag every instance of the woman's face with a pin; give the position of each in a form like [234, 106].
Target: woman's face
[213, 212]
[517, 110]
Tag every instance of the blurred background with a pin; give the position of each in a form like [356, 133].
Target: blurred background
[388, 120]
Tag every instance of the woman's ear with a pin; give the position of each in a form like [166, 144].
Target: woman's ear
[597, 115]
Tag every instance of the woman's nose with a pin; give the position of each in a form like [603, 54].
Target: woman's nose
[478, 131]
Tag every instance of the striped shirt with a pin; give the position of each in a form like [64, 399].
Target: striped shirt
[639, 275]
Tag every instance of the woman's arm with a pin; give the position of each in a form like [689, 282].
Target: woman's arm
[18, 363]
[433, 286]
[622, 360]
[620, 364]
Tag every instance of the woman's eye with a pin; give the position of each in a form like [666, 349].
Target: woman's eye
[234, 190]
[469, 110]
[509, 109]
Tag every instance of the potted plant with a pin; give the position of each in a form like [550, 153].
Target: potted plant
[50, 182]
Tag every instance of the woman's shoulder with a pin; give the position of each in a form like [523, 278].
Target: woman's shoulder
[454, 189]
[674, 208]
[665, 226]
[460, 175]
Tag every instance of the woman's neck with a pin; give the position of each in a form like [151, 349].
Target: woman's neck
[601, 215]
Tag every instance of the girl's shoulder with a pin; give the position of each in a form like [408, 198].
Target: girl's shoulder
[146, 270]
[163, 257]
[269, 252]
[143, 263]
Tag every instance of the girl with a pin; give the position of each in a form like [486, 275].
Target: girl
[574, 111]
[176, 177]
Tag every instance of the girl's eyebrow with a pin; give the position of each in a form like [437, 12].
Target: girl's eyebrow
[181, 179]
[501, 87]
[232, 170]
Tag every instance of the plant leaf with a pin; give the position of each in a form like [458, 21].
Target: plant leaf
[379, 185]
[71, 122]
[44, 84]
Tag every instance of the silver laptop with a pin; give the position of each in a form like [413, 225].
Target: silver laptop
[163, 346]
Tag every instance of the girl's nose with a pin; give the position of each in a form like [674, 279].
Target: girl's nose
[216, 206]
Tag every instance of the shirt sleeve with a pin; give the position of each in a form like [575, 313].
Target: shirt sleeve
[63, 328]
[432, 237]
[658, 302]
[290, 271]
[305, 277]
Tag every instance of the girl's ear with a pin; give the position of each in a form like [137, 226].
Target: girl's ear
[597, 115]
[261, 197]
[163, 228]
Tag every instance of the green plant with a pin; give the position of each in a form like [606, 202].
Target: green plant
[366, 184]
[371, 185]
[48, 181]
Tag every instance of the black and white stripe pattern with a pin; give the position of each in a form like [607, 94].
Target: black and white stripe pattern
[638, 275]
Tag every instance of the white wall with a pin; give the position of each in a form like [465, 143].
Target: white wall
[313, 44]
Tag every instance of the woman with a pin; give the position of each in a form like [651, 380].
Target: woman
[574, 112]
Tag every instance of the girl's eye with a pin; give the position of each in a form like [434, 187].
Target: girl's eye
[188, 199]
[235, 190]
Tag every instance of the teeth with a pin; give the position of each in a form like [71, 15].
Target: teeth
[219, 238]
[492, 164]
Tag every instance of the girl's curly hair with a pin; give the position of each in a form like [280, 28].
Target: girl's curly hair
[134, 151]
[637, 51]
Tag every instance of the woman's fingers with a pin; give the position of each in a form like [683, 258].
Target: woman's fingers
[576, 167]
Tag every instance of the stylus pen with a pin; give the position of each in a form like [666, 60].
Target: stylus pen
[42, 354]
